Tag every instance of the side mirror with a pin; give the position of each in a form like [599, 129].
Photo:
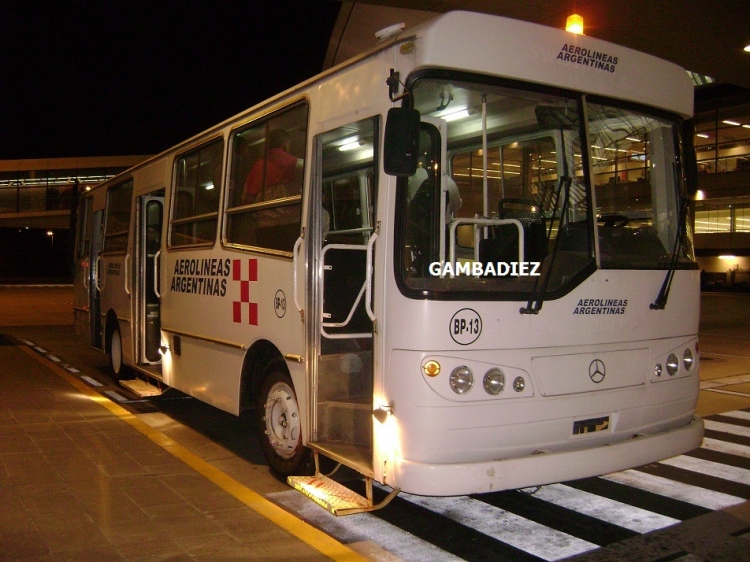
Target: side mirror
[688, 153]
[401, 150]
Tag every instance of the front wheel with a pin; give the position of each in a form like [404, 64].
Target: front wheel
[280, 426]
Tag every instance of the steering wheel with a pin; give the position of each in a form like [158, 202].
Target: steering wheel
[613, 221]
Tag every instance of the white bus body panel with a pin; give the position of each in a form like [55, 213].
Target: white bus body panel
[210, 370]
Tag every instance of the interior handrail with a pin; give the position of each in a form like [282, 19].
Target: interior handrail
[483, 222]
[353, 309]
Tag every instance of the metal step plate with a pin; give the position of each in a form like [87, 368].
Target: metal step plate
[141, 388]
[337, 499]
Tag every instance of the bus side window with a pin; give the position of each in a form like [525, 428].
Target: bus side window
[264, 199]
[117, 225]
[195, 207]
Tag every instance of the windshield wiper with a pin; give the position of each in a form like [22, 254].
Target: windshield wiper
[661, 299]
[536, 299]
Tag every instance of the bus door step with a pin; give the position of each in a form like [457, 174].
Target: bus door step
[334, 497]
[142, 388]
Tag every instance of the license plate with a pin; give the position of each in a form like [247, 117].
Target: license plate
[590, 426]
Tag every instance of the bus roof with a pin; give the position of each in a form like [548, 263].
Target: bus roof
[518, 50]
[545, 55]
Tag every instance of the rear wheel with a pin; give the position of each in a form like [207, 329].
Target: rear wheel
[280, 426]
[115, 353]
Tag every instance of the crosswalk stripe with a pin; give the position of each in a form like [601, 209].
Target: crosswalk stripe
[673, 489]
[739, 414]
[726, 447]
[504, 526]
[727, 428]
[710, 468]
[605, 509]
[585, 527]
[363, 527]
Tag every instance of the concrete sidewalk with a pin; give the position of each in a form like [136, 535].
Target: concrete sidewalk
[78, 482]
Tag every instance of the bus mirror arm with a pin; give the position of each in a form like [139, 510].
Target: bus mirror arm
[157, 256]
[295, 253]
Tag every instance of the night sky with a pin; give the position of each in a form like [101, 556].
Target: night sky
[95, 78]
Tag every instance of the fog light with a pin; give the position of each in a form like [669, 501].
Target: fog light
[431, 368]
[687, 359]
[657, 370]
[461, 380]
[494, 381]
[672, 364]
[519, 384]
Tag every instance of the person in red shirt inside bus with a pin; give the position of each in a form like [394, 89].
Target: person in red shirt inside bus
[281, 170]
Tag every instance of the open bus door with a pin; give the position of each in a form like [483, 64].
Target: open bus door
[92, 277]
[146, 301]
[341, 235]
[146, 279]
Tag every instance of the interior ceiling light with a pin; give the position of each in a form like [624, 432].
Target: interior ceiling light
[733, 123]
[461, 114]
[352, 145]
[574, 24]
[747, 48]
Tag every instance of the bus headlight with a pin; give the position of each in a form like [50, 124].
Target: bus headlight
[672, 364]
[687, 359]
[657, 370]
[519, 384]
[461, 380]
[494, 381]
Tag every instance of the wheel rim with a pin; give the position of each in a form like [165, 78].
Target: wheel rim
[282, 420]
[115, 352]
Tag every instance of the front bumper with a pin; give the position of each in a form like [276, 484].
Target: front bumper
[534, 470]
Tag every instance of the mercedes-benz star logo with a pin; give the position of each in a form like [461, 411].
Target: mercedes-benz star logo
[597, 370]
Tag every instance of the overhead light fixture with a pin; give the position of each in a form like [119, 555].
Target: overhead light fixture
[733, 123]
[727, 257]
[456, 115]
[702, 135]
[351, 145]
[747, 48]
[574, 24]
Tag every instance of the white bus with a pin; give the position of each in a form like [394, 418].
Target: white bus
[458, 263]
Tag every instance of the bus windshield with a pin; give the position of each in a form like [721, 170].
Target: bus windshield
[502, 203]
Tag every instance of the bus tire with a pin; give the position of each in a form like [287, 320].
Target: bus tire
[280, 424]
[114, 346]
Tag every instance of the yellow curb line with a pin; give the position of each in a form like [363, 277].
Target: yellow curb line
[320, 541]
